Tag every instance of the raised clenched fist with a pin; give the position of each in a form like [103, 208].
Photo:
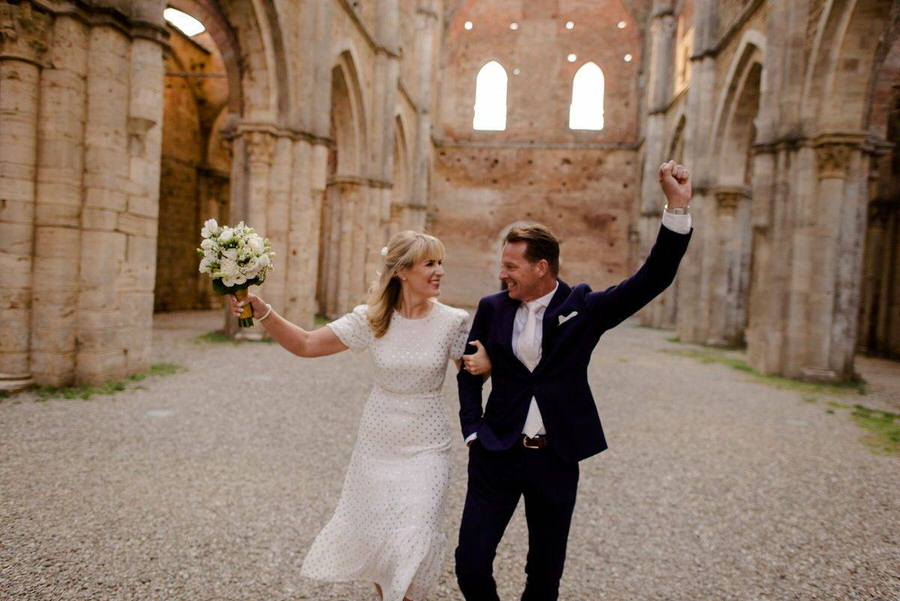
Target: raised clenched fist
[675, 182]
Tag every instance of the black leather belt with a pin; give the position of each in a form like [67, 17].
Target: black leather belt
[538, 442]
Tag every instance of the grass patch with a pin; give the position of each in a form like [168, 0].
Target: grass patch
[84, 393]
[809, 389]
[674, 340]
[883, 429]
[157, 369]
[220, 337]
[217, 337]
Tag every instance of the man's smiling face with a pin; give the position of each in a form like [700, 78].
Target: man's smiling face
[518, 275]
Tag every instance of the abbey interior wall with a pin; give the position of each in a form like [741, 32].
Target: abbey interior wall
[582, 184]
[330, 125]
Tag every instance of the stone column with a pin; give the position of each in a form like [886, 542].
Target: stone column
[694, 286]
[427, 30]
[260, 146]
[140, 220]
[101, 342]
[58, 220]
[659, 92]
[278, 218]
[729, 266]
[304, 237]
[835, 278]
[351, 243]
[22, 48]
[764, 304]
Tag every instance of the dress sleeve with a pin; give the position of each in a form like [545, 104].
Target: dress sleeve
[459, 336]
[353, 329]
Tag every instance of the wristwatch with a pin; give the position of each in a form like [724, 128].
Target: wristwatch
[678, 210]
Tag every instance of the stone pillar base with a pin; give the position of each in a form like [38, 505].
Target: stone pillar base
[15, 382]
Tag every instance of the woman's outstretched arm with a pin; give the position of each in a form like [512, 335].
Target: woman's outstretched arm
[317, 343]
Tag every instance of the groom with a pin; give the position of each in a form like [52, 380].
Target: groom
[540, 419]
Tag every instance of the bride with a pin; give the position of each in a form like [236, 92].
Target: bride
[387, 525]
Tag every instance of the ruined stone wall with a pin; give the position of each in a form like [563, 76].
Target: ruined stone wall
[775, 110]
[582, 184]
[84, 155]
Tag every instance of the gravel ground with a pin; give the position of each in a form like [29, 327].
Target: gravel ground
[211, 484]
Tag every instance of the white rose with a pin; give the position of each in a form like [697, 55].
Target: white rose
[230, 253]
[229, 268]
[226, 235]
[205, 265]
[256, 243]
[240, 280]
[263, 260]
[210, 228]
[207, 244]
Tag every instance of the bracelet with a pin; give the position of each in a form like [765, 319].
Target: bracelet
[677, 210]
[269, 307]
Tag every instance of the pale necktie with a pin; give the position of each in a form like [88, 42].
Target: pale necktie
[530, 354]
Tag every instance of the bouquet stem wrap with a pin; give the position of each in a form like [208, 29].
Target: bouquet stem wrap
[246, 318]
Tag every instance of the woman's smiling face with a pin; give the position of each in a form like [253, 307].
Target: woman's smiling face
[424, 278]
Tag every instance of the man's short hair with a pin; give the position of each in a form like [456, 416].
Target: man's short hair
[540, 243]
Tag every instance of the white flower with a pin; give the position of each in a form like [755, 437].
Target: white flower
[210, 228]
[264, 260]
[208, 244]
[226, 236]
[229, 268]
[205, 265]
[256, 244]
[230, 253]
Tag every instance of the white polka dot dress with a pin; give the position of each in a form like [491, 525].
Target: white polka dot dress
[387, 525]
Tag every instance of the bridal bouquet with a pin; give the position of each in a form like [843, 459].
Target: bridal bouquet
[235, 258]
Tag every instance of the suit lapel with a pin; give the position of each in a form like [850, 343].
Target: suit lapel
[551, 316]
[507, 319]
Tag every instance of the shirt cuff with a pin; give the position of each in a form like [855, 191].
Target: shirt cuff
[680, 224]
[471, 437]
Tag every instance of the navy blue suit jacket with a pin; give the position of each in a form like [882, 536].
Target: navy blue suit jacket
[559, 382]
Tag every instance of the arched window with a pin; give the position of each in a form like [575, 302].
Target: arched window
[490, 98]
[586, 110]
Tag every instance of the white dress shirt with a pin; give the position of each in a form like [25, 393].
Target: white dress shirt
[534, 424]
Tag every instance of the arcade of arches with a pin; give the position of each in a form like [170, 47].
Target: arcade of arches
[328, 125]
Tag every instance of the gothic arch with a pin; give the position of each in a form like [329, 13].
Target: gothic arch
[676, 144]
[838, 79]
[348, 116]
[750, 54]
[402, 178]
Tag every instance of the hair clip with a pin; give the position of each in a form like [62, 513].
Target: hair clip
[384, 251]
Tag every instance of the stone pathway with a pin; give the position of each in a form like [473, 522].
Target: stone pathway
[211, 483]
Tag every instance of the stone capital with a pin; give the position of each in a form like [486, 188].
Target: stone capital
[728, 198]
[23, 33]
[260, 146]
[833, 159]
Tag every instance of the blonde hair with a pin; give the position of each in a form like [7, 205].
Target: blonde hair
[403, 251]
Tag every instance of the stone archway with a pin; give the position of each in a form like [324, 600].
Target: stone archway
[345, 210]
[879, 316]
[727, 289]
[810, 222]
[195, 161]
[400, 192]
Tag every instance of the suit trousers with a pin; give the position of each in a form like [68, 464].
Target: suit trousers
[497, 479]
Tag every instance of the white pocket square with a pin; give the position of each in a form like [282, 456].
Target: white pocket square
[564, 318]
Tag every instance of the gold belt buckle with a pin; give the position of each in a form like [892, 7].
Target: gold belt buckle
[525, 444]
